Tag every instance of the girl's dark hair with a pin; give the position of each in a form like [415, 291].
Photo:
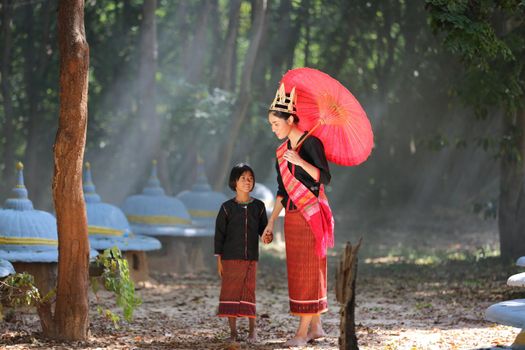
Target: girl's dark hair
[236, 173]
[285, 115]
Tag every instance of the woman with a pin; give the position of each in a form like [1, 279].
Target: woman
[302, 170]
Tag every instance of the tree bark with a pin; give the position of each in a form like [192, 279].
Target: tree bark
[8, 149]
[71, 321]
[244, 97]
[511, 215]
[345, 293]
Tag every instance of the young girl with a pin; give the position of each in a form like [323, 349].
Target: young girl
[240, 222]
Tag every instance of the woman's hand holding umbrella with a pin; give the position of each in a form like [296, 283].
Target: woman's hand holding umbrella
[293, 157]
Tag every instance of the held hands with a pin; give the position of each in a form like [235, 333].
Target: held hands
[267, 236]
[293, 157]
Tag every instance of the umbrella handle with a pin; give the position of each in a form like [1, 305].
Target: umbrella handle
[304, 138]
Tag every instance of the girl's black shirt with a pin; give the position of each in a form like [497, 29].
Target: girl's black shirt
[312, 151]
[238, 228]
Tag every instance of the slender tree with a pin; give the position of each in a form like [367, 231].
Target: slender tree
[37, 53]
[196, 54]
[5, 72]
[244, 97]
[225, 76]
[70, 320]
[148, 142]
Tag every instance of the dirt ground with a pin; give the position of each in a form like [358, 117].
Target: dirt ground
[418, 288]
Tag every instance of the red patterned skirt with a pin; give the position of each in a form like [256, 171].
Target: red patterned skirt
[306, 270]
[237, 297]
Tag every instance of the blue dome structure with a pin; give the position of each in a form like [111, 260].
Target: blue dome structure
[154, 213]
[202, 202]
[6, 268]
[28, 237]
[107, 224]
[26, 234]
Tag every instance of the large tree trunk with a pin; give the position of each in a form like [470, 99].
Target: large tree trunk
[228, 63]
[8, 149]
[244, 97]
[511, 216]
[71, 321]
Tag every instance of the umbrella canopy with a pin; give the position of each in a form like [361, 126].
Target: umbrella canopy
[330, 112]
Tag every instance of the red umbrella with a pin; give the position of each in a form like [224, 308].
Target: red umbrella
[330, 112]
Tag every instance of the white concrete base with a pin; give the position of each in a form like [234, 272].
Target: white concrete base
[510, 313]
[517, 280]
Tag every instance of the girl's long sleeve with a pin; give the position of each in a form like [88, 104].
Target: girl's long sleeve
[220, 231]
[263, 220]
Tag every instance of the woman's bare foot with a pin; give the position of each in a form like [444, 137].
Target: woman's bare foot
[296, 341]
[316, 334]
[316, 329]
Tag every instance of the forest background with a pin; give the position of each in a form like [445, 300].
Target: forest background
[442, 83]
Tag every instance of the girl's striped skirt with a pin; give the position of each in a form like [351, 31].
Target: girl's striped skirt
[237, 297]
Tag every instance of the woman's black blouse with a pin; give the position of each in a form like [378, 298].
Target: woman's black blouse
[312, 151]
[237, 229]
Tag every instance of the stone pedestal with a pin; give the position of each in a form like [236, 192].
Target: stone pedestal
[183, 255]
[138, 265]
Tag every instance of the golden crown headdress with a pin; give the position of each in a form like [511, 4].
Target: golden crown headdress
[284, 102]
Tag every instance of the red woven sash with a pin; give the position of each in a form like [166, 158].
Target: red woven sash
[315, 210]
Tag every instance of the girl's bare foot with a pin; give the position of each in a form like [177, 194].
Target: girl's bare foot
[296, 341]
[252, 338]
[232, 338]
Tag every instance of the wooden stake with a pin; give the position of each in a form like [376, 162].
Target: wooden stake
[345, 293]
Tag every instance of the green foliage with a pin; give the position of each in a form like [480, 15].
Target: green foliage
[488, 37]
[383, 51]
[116, 279]
[19, 290]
